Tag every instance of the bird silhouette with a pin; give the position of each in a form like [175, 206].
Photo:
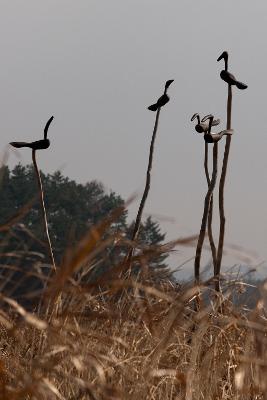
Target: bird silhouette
[227, 76]
[202, 127]
[163, 99]
[210, 137]
[38, 144]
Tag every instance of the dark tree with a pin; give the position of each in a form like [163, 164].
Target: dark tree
[151, 235]
[72, 208]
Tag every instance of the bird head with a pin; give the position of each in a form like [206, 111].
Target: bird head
[224, 56]
[196, 115]
[199, 127]
[168, 83]
[47, 127]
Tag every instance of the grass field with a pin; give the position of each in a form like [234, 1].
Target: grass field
[131, 333]
[131, 338]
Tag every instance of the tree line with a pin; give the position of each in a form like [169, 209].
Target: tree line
[73, 208]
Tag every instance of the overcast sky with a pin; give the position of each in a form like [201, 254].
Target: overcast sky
[97, 65]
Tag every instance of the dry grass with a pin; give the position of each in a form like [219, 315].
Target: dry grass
[137, 338]
[146, 342]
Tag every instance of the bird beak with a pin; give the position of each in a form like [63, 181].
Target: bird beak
[223, 55]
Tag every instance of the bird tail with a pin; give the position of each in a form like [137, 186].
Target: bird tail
[153, 107]
[216, 122]
[18, 145]
[228, 132]
[241, 85]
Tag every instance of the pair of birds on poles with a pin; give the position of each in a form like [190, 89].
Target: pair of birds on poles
[45, 142]
[203, 126]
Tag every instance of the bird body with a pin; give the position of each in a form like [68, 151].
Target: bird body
[164, 99]
[202, 127]
[38, 144]
[227, 76]
[231, 80]
[160, 103]
[210, 137]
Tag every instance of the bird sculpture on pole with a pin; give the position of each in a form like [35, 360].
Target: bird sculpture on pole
[230, 79]
[154, 107]
[207, 212]
[227, 76]
[164, 99]
[203, 126]
[40, 145]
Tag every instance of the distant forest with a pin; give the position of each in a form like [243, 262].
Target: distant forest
[72, 208]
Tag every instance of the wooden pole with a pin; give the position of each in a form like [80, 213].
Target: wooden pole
[205, 214]
[146, 191]
[221, 188]
[210, 214]
[41, 194]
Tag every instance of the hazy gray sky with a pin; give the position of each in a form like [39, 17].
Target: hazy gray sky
[97, 65]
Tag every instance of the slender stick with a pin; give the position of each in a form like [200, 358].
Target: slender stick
[146, 190]
[41, 193]
[205, 213]
[210, 214]
[221, 188]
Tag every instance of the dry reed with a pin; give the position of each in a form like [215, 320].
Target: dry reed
[148, 344]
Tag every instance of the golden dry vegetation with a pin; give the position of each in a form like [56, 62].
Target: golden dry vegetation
[130, 337]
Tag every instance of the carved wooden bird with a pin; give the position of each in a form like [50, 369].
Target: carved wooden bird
[38, 144]
[163, 99]
[227, 76]
[202, 127]
[210, 137]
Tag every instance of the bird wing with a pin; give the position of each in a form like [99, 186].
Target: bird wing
[153, 107]
[19, 144]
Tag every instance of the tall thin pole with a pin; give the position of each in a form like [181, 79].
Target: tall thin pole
[41, 194]
[210, 214]
[221, 188]
[146, 190]
[205, 213]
